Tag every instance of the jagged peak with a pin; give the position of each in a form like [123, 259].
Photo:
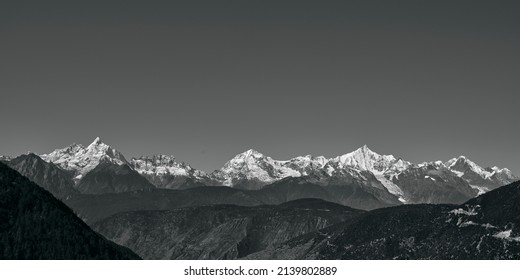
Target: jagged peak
[96, 142]
[364, 149]
[250, 153]
[364, 152]
[155, 157]
[461, 159]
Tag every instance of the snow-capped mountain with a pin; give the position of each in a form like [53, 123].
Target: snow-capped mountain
[482, 179]
[165, 172]
[5, 158]
[81, 160]
[401, 178]
[365, 159]
[385, 177]
[253, 170]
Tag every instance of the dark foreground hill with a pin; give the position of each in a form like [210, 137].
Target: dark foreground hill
[219, 231]
[486, 227]
[35, 225]
[47, 175]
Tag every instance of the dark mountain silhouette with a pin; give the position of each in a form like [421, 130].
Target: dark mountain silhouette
[108, 177]
[46, 175]
[36, 225]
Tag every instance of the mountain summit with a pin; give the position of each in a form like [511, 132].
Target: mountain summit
[365, 159]
[382, 176]
[81, 160]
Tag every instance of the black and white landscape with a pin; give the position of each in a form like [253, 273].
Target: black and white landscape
[269, 129]
[360, 205]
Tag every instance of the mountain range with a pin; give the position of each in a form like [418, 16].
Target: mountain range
[347, 207]
[362, 178]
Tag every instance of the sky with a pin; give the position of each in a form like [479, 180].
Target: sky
[206, 80]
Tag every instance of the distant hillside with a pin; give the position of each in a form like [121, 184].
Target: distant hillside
[35, 225]
[219, 231]
[486, 227]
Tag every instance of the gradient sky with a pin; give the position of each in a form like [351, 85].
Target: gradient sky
[205, 80]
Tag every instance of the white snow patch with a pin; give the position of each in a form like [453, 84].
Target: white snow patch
[506, 235]
[481, 190]
[468, 223]
[391, 187]
[472, 211]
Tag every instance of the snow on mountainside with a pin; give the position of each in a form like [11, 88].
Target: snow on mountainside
[253, 170]
[162, 164]
[81, 160]
[365, 159]
[165, 172]
[482, 179]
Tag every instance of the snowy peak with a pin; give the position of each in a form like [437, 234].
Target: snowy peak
[247, 160]
[248, 156]
[482, 178]
[461, 165]
[365, 159]
[161, 165]
[99, 149]
[81, 160]
[253, 166]
[96, 142]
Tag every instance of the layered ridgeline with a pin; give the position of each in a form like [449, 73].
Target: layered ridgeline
[361, 179]
[35, 225]
[482, 228]
[219, 231]
[485, 227]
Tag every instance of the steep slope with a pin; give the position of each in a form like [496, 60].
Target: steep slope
[218, 232]
[433, 183]
[35, 225]
[253, 170]
[108, 177]
[403, 179]
[360, 190]
[362, 170]
[482, 228]
[482, 179]
[365, 159]
[47, 175]
[166, 173]
[81, 160]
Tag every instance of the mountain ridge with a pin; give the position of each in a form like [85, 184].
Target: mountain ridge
[252, 170]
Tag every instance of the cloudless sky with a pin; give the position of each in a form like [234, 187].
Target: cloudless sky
[205, 80]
